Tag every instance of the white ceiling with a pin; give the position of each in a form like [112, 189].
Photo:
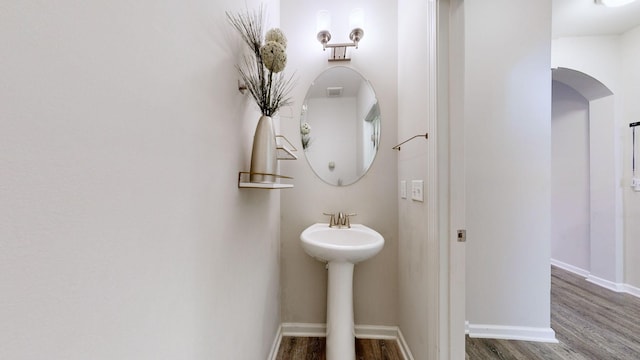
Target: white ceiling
[586, 18]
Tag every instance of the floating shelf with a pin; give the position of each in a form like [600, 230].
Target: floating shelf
[285, 151]
[243, 176]
[272, 186]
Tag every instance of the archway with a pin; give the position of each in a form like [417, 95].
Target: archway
[605, 259]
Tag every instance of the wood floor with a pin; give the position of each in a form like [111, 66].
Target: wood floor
[313, 348]
[590, 322]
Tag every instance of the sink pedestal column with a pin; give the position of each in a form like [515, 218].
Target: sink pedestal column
[340, 330]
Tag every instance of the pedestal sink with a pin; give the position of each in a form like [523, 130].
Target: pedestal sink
[341, 248]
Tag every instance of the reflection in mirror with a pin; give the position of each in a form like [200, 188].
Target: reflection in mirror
[340, 126]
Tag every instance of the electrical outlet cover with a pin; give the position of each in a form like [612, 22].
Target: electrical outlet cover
[403, 189]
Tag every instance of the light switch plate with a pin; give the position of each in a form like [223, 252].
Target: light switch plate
[403, 189]
[417, 190]
[635, 184]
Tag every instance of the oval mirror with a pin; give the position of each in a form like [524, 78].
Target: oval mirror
[340, 126]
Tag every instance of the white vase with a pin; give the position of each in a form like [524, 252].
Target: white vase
[264, 160]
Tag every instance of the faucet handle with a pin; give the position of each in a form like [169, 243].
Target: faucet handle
[332, 218]
[346, 218]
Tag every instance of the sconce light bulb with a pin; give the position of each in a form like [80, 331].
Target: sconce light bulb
[356, 23]
[323, 27]
[323, 21]
[356, 18]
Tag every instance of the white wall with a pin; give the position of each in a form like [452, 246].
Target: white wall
[599, 57]
[570, 215]
[611, 60]
[418, 252]
[596, 56]
[606, 207]
[507, 154]
[123, 234]
[373, 198]
[630, 47]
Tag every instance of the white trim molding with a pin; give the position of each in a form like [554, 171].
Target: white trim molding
[632, 290]
[273, 354]
[617, 287]
[404, 347]
[609, 285]
[570, 268]
[376, 332]
[512, 333]
[361, 332]
[304, 329]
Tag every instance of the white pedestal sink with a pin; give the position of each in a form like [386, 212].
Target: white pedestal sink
[341, 248]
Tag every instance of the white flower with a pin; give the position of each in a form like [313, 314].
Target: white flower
[305, 129]
[270, 92]
[274, 56]
[276, 35]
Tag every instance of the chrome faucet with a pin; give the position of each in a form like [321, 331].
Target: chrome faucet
[340, 219]
[332, 219]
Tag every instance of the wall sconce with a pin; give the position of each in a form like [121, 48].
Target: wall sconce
[339, 51]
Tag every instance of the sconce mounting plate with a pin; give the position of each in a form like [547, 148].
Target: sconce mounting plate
[339, 53]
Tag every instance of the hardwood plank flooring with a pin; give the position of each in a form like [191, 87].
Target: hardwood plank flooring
[590, 323]
[313, 348]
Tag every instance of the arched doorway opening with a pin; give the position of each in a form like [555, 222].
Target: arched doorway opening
[587, 202]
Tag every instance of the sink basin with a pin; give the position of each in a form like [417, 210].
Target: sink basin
[341, 248]
[352, 245]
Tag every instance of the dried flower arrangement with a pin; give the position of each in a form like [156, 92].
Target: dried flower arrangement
[262, 70]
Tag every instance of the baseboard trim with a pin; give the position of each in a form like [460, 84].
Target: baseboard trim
[361, 332]
[632, 290]
[512, 333]
[404, 347]
[609, 285]
[570, 268]
[304, 329]
[376, 332]
[617, 287]
[273, 354]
